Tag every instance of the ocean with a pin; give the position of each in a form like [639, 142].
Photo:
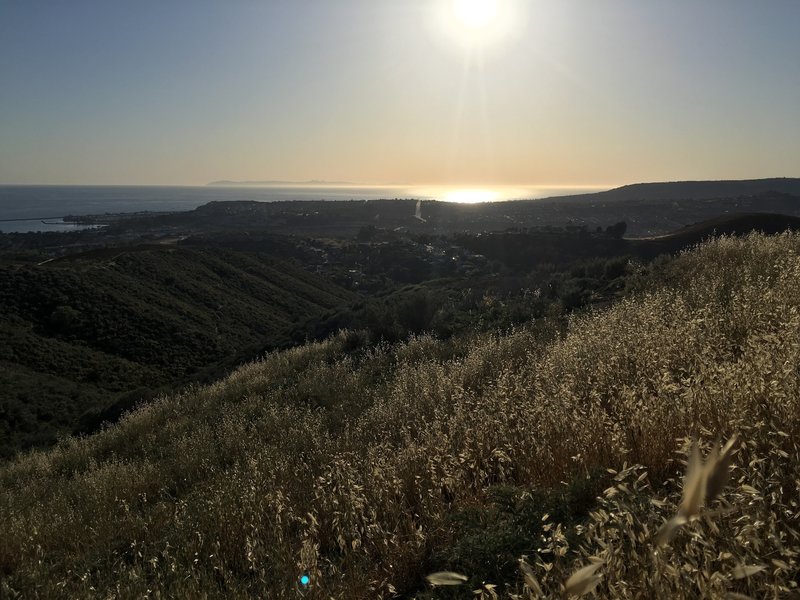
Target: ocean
[42, 207]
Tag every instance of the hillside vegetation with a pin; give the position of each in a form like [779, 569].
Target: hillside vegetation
[85, 335]
[367, 471]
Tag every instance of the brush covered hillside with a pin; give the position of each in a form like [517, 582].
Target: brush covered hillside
[86, 336]
[512, 460]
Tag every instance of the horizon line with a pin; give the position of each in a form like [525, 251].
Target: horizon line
[466, 185]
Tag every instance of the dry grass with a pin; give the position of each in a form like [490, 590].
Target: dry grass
[347, 470]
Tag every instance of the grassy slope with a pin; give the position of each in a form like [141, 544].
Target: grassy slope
[354, 469]
[108, 322]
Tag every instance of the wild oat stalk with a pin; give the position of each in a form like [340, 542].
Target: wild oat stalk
[701, 485]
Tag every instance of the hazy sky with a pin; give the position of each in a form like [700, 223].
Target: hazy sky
[398, 91]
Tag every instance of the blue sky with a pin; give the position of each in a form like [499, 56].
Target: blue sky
[397, 91]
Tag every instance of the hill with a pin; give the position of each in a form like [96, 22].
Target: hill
[364, 472]
[526, 249]
[731, 224]
[736, 224]
[696, 190]
[645, 216]
[88, 335]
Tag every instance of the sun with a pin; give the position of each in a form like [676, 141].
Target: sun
[475, 14]
[479, 23]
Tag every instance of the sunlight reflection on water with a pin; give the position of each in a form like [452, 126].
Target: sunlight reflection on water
[474, 195]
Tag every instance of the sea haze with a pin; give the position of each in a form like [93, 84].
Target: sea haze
[41, 208]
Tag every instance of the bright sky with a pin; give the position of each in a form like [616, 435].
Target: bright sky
[569, 92]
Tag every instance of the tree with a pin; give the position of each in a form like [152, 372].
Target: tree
[617, 230]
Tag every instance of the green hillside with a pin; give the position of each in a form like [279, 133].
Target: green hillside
[101, 330]
[367, 471]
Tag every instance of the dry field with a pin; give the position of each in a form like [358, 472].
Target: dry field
[350, 468]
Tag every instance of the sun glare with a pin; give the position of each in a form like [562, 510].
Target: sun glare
[475, 195]
[478, 22]
[471, 196]
[475, 14]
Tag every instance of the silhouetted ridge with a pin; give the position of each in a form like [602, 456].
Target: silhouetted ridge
[701, 189]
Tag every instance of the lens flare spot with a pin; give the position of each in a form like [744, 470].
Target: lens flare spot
[305, 580]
